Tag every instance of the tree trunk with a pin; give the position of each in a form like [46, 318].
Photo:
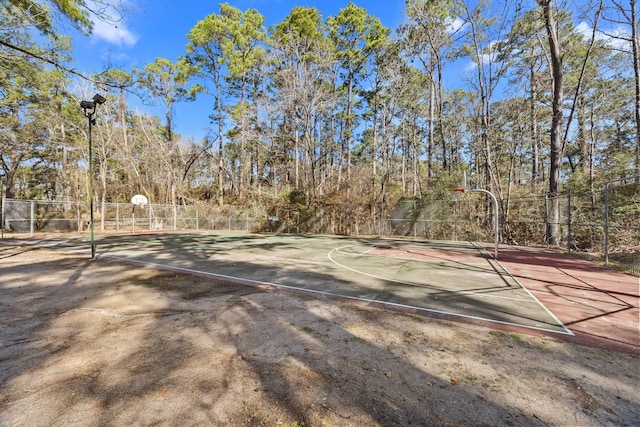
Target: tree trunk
[348, 135]
[296, 153]
[443, 140]
[9, 183]
[553, 222]
[416, 157]
[122, 112]
[583, 137]
[635, 43]
[535, 143]
[432, 114]
[374, 141]
[220, 147]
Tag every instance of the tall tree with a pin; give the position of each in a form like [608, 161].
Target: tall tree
[484, 41]
[166, 82]
[204, 60]
[356, 34]
[556, 143]
[29, 99]
[526, 58]
[242, 49]
[618, 14]
[120, 82]
[428, 37]
[303, 59]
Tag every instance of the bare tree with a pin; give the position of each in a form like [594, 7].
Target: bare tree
[629, 16]
[555, 62]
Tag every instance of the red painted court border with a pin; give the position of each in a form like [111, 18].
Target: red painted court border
[599, 305]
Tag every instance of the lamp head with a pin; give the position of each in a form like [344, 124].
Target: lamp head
[87, 105]
[99, 99]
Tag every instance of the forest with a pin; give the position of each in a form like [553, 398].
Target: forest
[333, 111]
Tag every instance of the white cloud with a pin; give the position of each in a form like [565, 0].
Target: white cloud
[470, 67]
[454, 25]
[110, 57]
[484, 58]
[583, 29]
[118, 35]
[610, 36]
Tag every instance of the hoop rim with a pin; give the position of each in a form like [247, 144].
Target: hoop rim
[139, 199]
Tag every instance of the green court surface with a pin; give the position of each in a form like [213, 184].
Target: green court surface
[447, 278]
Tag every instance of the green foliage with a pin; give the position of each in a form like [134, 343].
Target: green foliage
[42, 13]
[301, 35]
[356, 34]
[302, 24]
[297, 198]
[338, 112]
[115, 78]
[32, 113]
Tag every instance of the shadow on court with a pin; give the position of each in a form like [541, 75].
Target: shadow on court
[598, 304]
[528, 290]
[442, 279]
[190, 353]
[101, 343]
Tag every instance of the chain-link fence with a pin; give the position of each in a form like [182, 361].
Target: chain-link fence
[38, 216]
[461, 219]
[604, 222]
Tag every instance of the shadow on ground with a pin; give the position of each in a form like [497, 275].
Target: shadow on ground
[105, 343]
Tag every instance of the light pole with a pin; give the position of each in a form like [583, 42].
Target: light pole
[89, 109]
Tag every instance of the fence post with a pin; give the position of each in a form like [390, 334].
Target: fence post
[569, 221]
[175, 217]
[78, 217]
[454, 208]
[2, 225]
[117, 217]
[606, 224]
[197, 220]
[415, 220]
[32, 221]
[502, 220]
[546, 219]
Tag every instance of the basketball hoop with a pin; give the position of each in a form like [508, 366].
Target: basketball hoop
[139, 200]
[464, 185]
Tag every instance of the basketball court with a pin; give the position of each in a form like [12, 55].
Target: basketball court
[450, 278]
[527, 290]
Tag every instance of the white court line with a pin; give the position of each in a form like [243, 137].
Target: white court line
[408, 249]
[325, 293]
[569, 332]
[479, 294]
[481, 248]
[261, 283]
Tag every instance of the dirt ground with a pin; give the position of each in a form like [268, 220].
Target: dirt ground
[105, 343]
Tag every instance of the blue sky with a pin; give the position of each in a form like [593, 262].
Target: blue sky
[158, 28]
